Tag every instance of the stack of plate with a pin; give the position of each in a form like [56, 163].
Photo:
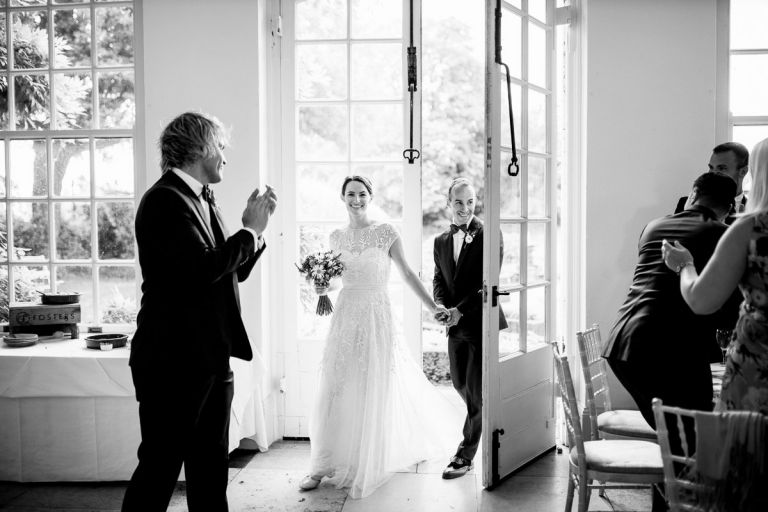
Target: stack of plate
[20, 340]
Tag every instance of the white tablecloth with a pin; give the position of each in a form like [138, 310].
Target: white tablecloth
[69, 413]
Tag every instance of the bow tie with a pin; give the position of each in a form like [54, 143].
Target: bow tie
[207, 194]
[455, 229]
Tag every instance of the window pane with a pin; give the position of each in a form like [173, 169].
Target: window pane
[72, 226]
[72, 28]
[377, 132]
[29, 168]
[30, 39]
[71, 167]
[388, 188]
[750, 135]
[509, 338]
[506, 137]
[510, 190]
[318, 190]
[115, 230]
[537, 122]
[27, 280]
[114, 36]
[3, 47]
[25, 3]
[377, 71]
[6, 293]
[77, 278]
[30, 231]
[73, 94]
[538, 9]
[511, 42]
[322, 133]
[537, 316]
[537, 252]
[537, 187]
[117, 107]
[748, 74]
[748, 24]
[376, 19]
[321, 19]
[114, 167]
[321, 72]
[3, 235]
[33, 102]
[537, 55]
[117, 294]
[510, 265]
[2, 168]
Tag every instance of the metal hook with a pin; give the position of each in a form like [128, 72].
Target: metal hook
[408, 154]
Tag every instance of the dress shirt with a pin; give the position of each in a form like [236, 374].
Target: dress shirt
[738, 206]
[197, 189]
[458, 240]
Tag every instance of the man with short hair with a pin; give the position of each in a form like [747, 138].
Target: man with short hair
[658, 348]
[457, 283]
[730, 158]
[189, 323]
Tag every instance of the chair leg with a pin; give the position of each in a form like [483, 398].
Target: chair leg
[589, 493]
[583, 495]
[569, 497]
[602, 492]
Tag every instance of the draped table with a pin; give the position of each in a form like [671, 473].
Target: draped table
[69, 413]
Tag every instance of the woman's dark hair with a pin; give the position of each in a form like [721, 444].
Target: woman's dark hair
[361, 179]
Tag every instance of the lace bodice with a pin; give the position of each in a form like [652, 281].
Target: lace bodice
[365, 253]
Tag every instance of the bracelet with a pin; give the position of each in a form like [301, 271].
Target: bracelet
[681, 266]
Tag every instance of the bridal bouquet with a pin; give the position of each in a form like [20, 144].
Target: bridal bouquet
[319, 268]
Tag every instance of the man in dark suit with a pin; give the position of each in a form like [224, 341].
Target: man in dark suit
[732, 159]
[189, 323]
[658, 347]
[457, 286]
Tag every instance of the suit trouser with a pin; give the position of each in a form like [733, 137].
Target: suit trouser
[680, 384]
[466, 361]
[184, 419]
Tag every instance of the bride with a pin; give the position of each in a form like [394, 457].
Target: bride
[375, 412]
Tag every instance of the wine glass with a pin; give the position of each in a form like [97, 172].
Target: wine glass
[724, 339]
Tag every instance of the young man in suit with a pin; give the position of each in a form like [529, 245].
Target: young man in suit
[658, 347]
[189, 323]
[732, 159]
[457, 286]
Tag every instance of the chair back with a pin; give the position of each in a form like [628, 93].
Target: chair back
[567, 395]
[688, 488]
[593, 368]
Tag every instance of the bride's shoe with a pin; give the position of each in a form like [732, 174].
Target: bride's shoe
[308, 483]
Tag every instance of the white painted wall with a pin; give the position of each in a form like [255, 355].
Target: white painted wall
[650, 118]
[201, 55]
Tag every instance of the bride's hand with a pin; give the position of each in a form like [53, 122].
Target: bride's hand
[675, 256]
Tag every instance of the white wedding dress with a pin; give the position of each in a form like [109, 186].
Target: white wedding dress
[375, 412]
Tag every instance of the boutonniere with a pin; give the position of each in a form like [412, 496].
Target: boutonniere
[469, 236]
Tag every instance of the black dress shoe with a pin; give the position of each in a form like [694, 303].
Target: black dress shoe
[458, 466]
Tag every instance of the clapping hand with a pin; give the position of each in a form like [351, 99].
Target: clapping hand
[259, 208]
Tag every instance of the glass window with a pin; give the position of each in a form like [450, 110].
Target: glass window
[67, 196]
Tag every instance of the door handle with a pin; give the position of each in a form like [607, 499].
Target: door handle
[495, 293]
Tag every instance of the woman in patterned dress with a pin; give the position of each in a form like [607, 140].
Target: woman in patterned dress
[741, 257]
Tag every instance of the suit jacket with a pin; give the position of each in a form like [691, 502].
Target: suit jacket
[189, 320]
[655, 322]
[460, 284]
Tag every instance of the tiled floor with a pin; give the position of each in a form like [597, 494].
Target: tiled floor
[269, 482]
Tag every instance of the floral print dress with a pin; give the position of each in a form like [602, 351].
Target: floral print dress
[745, 384]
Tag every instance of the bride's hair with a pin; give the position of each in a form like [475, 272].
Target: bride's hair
[362, 179]
[757, 201]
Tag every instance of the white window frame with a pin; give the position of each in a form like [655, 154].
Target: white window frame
[93, 133]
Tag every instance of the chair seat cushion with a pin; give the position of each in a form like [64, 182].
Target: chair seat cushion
[625, 423]
[615, 456]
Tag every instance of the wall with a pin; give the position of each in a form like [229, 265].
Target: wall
[204, 56]
[650, 118]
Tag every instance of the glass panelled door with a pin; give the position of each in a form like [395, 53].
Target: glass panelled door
[344, 112]
[518, 413]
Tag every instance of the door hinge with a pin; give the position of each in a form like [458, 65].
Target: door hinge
[495, 445]
[277, 26]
